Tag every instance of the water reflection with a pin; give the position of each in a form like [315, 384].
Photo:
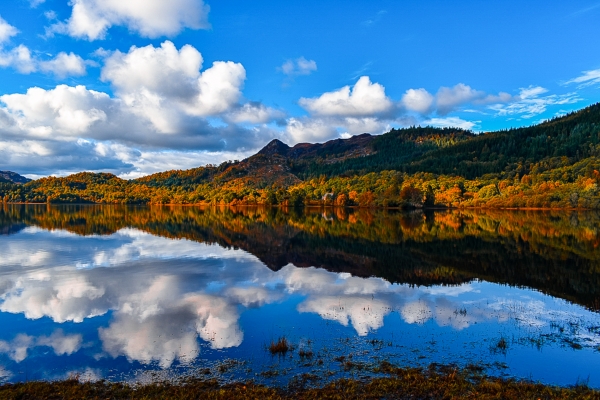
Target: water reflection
[115, 289]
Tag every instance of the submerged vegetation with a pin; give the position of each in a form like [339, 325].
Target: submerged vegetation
[551, 165]
[436, 382]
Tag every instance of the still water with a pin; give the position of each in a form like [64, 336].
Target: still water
[151, 293]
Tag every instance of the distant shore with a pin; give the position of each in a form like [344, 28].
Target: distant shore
[436, 208]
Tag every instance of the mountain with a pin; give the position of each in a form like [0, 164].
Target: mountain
[8, 176]
[554, 164]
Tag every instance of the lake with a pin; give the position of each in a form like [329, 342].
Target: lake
[141, 294]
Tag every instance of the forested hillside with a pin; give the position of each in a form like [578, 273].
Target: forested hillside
[552, 165]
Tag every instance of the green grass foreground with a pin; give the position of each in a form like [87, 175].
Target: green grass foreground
[400, 383]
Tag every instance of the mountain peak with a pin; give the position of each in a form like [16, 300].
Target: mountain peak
[275, 146]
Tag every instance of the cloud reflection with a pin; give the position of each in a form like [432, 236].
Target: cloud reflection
[62, 344]
[165, 294]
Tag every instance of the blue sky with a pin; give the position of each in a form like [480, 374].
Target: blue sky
[138, 86]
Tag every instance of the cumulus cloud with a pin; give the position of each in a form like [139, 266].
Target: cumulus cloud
[418, 100]
[160, 83]
[61, 66]
[364, 99]
[162, 99]
[448, 99]
[91, 19]
[6, 31]
[18, 58]
[64, 65]
[310, 130]
[299, 66]
[65, 110]
[363, 108]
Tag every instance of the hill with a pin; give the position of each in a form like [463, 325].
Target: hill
[552, 165]
[9, 176]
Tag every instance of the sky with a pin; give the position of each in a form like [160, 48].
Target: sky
[134, 87]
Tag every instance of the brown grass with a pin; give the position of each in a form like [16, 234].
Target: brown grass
[281, 346]
[436, 382]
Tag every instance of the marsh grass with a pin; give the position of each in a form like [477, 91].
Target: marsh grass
[435, 382]
[501, 346]
[281, 346]
[303, 353]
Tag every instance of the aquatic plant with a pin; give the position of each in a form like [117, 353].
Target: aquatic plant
[281, 346]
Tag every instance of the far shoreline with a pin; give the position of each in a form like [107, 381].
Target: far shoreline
[436, 208]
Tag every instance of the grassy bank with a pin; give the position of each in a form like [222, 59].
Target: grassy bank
[398, 383]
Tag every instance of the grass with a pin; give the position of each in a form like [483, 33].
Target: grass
[435, 382]
[303, 353]
[281, 346]
[501, 346]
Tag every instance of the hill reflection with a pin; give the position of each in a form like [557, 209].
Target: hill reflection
[554, 252]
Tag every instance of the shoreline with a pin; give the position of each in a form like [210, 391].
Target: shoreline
[315, 207]
[437, 381]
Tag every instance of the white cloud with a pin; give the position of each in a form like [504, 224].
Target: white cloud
[162, 100]
[6, 31]
[365, 99]
[530, 102]
[299, 66]
[50, 15]
[450, 122]
[163, 84]
[419, 100]
[65, 110]
[91, 19]
[373, 125]
[64, 65]
[588, 78]
[18, 347]
[364, 108]
[254, 113]
[365, 314]
[61, 66]
[448, 99]
[62, 344]
[19, 58]
[35, 3]
[150, 162]
[416, 312]
[309, 130]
